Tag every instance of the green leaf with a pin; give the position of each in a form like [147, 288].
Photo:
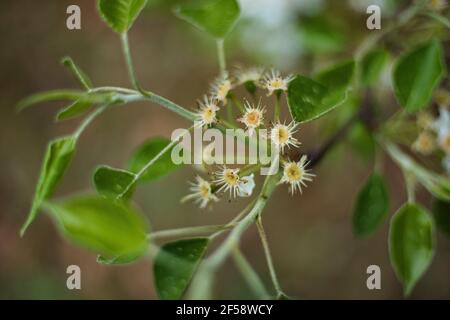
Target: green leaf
[371, 206]
[84, 103]
[175, 265]
[320, 35]
[441, 213]
[411, 244]
[147, 151]
[417, 74]
[77, 72]
[57, 158]
[372, 65]
[110, 228]
[120, 14]
[111, 182]
[310, 99]
[362, 141]
[75, 109]
[437, 185]
[216, 17]
[53, 95]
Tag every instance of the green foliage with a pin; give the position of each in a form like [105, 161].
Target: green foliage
[111, 182]
[310, 99]
[110, 228]
[372, 205]
[441, 213]
[53, 95]
[146, 152]
[411, 244]
[78, 73]
[216, 17]
[57, 158]
[120, 14]
[437, 185]
[75, 109]
[417, 74]
[175, 265]
[362, 142]
[372, 66]
[319, 35]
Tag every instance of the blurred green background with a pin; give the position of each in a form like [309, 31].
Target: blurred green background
[315, 252]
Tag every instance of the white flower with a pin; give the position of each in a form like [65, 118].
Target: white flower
[273, 81]
[253, 117]
[207, 113]
[246, 186]
[295, 174]
[220, 88]
[425, 143]
[249, 75]
[282, 135]
[228, 179]
[201, 192]
[437, 5]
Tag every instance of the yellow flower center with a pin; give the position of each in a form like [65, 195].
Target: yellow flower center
[293, 172]
[282, 135]
[277, 83]
[230, 177]
[208, 115]
[204, 190]
[253, 118]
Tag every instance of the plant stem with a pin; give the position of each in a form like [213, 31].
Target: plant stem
[276, 114]
[129, 61]
[265, 244]
[89, 119]
[249, 274]
[221, 55]
[181, 232]
[141, 172]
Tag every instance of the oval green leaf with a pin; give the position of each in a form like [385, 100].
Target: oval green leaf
[120, 14]
[111, 182]
[417, 74]
[216, 17]
[57, 158]
[309, 99]
[372, 65]
[145, 153]
[175, 265]
[411, 244]
[371, 206]
[441, 213]
[110, 228]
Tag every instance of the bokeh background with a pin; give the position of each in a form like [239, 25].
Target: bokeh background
[315, 252]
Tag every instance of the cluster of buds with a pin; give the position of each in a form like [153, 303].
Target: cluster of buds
[238, 182]
[435, 131]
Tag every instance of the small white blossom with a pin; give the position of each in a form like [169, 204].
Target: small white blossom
[228, 180]
[249, 75]
[282, 135]
[207, 114]
[246, 186]
[425, 120]
[253, 117]
[273, 81]
[295, 174]
[221, 87]
[201, 193]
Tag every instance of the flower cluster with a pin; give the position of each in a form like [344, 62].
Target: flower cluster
[240, 182]
[435, 132]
